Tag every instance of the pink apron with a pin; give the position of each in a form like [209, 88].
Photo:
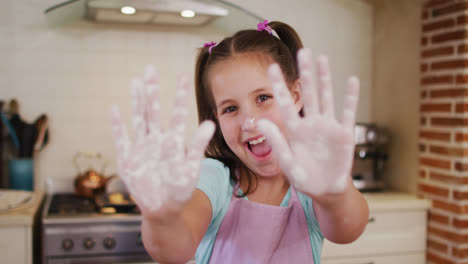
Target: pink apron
[259, 233]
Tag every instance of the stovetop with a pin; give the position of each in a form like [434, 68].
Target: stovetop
[72, 207]
[71, 204]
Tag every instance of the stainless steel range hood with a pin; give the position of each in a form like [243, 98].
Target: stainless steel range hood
[165, 12]
[148, 12]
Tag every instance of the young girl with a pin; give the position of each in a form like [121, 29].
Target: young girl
[276, 179]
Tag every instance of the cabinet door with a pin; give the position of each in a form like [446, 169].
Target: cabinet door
[386, 233]
[418, 258]
[14, 245]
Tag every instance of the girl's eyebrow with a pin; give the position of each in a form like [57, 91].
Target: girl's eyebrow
[261, 89]
[256, 91]
[226, 101]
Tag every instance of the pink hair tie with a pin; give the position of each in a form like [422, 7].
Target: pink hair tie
[210, 45]
[264, 26]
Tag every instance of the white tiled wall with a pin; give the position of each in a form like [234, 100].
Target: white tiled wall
[76, 72]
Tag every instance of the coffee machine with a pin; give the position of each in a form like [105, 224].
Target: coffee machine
[370, 156]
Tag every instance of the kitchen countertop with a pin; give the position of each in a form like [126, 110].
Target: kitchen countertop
[22, 215]
[378, 201]
[395, 201]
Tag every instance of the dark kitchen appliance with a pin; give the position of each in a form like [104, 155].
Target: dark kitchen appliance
[370, 156]
[77, 230]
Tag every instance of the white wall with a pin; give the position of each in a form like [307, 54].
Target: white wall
[340, 29]
[396, 89]
[75, 73]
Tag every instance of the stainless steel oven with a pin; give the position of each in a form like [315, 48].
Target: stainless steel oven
[75, 230]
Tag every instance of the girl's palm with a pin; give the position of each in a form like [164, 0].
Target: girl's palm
[318, 151]
[157, 170]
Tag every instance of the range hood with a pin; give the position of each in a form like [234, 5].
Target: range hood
[149, 12]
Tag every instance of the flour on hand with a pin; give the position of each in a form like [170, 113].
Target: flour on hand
[155, 166]
[317, 152]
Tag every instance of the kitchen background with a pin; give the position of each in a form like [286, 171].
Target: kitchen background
[76, 72]
[408, 55]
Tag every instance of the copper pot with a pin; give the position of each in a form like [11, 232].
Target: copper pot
[90, 183]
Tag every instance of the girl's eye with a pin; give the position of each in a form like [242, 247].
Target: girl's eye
[263, 98]
[229, 109]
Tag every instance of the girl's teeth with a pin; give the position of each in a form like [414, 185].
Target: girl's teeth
[254, 142]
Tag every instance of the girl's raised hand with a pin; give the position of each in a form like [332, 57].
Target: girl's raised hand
[157, 170]
[318, 151]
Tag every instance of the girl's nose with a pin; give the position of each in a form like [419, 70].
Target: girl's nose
[248, 124]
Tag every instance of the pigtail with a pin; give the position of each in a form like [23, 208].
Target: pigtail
[289, 37]
[201, 93]
[203, 97]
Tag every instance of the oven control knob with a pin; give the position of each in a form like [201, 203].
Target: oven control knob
[139, 240]
[109, 243]
[67, 244]
[88, 243]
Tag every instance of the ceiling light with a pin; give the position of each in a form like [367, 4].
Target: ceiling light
[128, 10]
[187, 13]
[219, 13]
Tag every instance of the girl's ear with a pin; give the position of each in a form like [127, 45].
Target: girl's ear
[296, 94]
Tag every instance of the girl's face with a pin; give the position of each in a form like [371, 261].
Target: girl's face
[243, 94]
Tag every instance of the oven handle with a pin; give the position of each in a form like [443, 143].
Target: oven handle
[134, 257]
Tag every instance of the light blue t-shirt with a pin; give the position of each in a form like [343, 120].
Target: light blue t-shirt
[215, 183]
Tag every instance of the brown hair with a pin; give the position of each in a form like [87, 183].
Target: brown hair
[282, 50]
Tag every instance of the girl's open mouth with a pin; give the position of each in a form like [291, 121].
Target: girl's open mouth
[259, 147]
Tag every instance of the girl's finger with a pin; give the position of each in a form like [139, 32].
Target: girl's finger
[138, 105]
[152, 100]
[350, 104]
[180, 111]
[279, 144]
[309, 89]
[325, 86]
[198, 146]
[122, 142]
[284, 99]
[189, 173]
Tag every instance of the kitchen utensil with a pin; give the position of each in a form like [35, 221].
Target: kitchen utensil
[10, 129]
[91, 183]
[27, 138]
[42, 136]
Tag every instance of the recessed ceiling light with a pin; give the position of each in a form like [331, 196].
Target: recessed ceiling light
[128, 10]
[187, 13]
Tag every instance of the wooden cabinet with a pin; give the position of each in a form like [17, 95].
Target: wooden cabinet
[388, 259]
[16, 244]
[396, 233]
